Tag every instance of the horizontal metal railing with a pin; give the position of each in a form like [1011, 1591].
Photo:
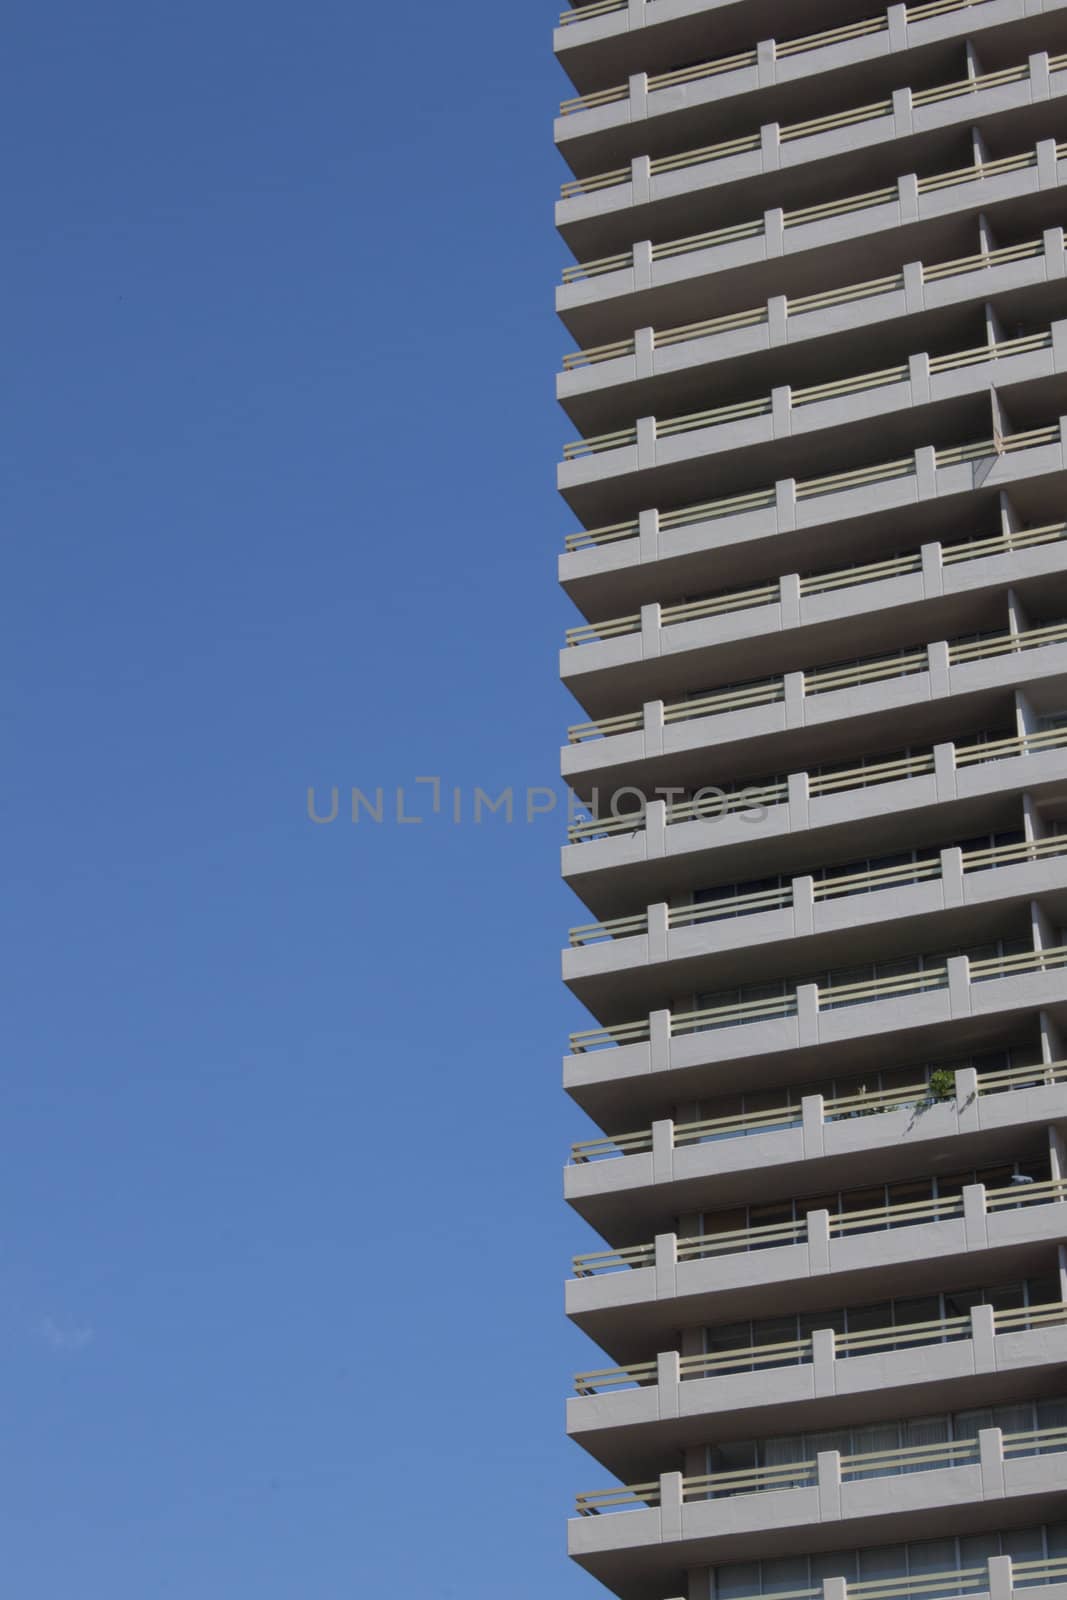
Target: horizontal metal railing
[799, 1352]
[846, 206]
[806, 489]
[804, 1474]
[827, 298]
[826, 680]
[811, 128]
[829, 997]
[746, 58]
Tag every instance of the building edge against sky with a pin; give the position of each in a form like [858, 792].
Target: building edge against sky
[818, 386]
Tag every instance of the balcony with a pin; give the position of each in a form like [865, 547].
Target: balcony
[602, 386]
[796, 251]
[622, 1183]
[833, 1499]
[628, 1416]
[662, 196]
[618, 1072]
[660, 110]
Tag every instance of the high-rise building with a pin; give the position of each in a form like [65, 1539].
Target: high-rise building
[819, 397]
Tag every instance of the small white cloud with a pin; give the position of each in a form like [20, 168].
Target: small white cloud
[65, 1340]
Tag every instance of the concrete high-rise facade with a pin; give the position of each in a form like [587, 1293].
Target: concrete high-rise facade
[819, 397]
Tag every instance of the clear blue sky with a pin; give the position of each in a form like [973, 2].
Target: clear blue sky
[281, 1242]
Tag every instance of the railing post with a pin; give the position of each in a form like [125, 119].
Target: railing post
[818, 1242]
[663, 1150]
[914, 286]
[813, 1114]
[968, 1102]
[897, 18]
[952, 885]
[823, 1357]
[789, 599]
[671, 1500]
[919, 377]
[778, 319]
[781, 411]
[646, 441]
[799, 799]
[644, 352]
[648, 535]
[666, 1265]
[1001, 1581]
[785, 503]
[1055, 255]
[803, 905]
[774, 232]
[945, 771]
[658, 931]
[668, 1381]
[807, 1013]
[991, 1462]
[641, 180]
[974, 1216]
[1039, 75]
[1047, 163]
[770, 147]
[959, 986]
[933, 569]
[643, 264]
[937, 667]
[766, 63]
[651, 631]
[793, 684]
[902, 113]
[983, 1338]
[659, 1035]
[926, 472]
[655, 829]
[638, 96]
[828, 1468]
[652, 723]
[835, 1588]
[908, 197]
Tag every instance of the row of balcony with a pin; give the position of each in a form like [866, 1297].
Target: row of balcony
[999, 1579]
[899, 107]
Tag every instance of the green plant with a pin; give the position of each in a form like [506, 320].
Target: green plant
[942, 1085]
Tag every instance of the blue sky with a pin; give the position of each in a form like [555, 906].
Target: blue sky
[281, 1243]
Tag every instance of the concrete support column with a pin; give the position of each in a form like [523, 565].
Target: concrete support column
[785, 504]
[1039, 76]
[651, 631]
[789, 599]
[766, 63]
[646, 441]
[938, 668]
[641, 180]
[959, 986]
[797, 784]
[777, 320]
[782, 411]
[897, 18]
[643, 264]
[945, 771]
[914, 286]
[919, 378]
[1057, 1153]
[983, 1338]
[902, 113]
[663, 1150]
[926, 472]
[1009, 517]
[774, 232]
[638, 96]
[1046, 934]
[794, 699]
[770, 143]
[1046, 163]
[1001, 1581]
[908, 197]
[666, 1267]
[1052, 1046]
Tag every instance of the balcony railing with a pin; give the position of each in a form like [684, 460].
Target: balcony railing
[741, 1014]
[799, 1352]
[804, 1474]
[875, 1219]
[939, 1585]
[746, 58]
[820, 583]
[815, 394]
[810, 488]
[778, 1118]
[823, 680]
[790, 132]
[836, 781]
[850, 204]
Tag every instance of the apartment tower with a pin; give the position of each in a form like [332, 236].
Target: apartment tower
[818, 394]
